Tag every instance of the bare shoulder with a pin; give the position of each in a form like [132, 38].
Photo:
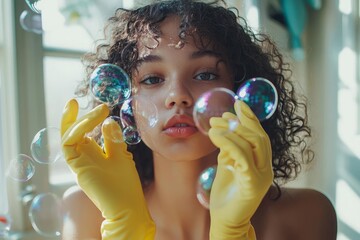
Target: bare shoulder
[309, 213]
[82, 218]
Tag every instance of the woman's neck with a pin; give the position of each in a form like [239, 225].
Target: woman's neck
[172, 195]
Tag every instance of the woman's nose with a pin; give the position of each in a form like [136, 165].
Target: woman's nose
[179, 95]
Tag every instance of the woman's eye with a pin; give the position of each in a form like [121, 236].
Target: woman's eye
[151, 80]
[206, 76]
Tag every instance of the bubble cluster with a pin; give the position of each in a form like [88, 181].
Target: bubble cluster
[109, 84]
[258, 93]
[261, 96]
[45, 210]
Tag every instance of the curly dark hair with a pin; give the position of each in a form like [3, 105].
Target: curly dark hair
[248, 55]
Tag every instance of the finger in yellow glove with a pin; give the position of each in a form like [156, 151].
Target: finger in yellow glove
[247, 149]
[107, 176]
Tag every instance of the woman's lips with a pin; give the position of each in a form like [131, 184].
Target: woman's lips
[180, 132]
[180, 126]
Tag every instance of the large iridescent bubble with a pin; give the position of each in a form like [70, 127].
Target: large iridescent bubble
[212, 104]
[260, 95]
[110, 84]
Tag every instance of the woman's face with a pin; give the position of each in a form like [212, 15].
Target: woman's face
[172, 78]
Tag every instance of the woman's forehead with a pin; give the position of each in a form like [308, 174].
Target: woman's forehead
[168, 29]
[170, 34]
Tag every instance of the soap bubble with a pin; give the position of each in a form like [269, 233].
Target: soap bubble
[110, 84]
[260, 95]
[212, 104]
[21, 168]
[45, 146]
[136, 113]
[46, 215]
[205, 186]
[31, 22]
[145, 111]
[131, 135]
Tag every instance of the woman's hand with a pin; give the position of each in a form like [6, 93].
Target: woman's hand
[247, 149]
[108, 176]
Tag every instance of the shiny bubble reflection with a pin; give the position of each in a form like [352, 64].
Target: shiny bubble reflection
[260, 95]
[46, 146]
[110, 84]
[46, 215]
[21, 168]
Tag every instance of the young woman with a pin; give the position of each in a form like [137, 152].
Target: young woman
[174, 51]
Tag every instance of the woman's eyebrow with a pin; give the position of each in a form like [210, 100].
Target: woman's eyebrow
[148, 58]
[205, 53]
[194, 55]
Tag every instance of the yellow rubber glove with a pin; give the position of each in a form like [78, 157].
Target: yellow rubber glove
[248, 150]
[108, 177]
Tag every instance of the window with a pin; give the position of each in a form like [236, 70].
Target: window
[62, 72]
[348, 66]
[70, 31]
[8, 132]
[34, 68]
[347, 186]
